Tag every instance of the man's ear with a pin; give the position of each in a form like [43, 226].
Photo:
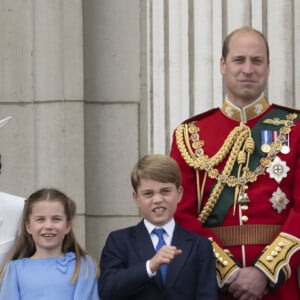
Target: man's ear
[222, 65]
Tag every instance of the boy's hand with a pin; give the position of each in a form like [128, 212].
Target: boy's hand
[163, 256]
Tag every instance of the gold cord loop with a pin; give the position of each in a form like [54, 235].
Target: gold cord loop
[238, 147]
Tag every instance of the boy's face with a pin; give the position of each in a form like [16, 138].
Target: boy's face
[157, 200]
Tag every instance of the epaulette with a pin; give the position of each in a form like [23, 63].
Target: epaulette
[287, 108]
[200, 116]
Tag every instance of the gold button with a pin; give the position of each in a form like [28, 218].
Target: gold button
[244, 218]
[244, 207]
[269, 258]
[274, 253]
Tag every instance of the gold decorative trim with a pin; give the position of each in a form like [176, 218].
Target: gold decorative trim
[238, 146]
[246, 113]
[276, 257]
[225, 265]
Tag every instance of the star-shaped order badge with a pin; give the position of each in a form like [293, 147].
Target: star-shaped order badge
[279, 200]
[278, 169]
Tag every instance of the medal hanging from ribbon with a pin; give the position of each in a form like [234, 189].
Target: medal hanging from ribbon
[285, 149]
[266, 140]
[269, 136]
[286, 145]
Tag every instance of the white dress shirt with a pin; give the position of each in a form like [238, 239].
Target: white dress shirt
[11, 208]
[168, 235]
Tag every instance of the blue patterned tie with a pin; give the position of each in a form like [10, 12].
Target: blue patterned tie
[161, 242]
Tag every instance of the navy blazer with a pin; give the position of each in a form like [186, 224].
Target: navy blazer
[190, 276]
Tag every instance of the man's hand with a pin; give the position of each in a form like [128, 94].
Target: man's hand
[248, 284]
[164, 256]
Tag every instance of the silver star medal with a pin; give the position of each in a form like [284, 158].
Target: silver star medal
[278, 169]
[279, 200]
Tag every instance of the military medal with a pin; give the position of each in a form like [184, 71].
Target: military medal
[285, 142]
[278, 169]
[265, 148]
[265, 141]
[279, 200]
[285, 149]
[286, 145]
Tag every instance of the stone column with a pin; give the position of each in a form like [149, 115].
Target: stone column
[41, 79]
[112, 101]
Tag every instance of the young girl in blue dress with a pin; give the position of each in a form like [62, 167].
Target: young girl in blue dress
[46, 261]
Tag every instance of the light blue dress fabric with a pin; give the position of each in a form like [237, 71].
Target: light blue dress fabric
[49, 279]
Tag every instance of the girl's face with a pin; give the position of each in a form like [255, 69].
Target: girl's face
[48, 226]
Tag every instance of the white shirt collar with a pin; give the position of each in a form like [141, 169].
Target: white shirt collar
[168, 227]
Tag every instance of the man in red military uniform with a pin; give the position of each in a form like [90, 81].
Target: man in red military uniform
[240, 168]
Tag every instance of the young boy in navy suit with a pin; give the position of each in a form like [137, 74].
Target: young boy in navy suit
[157, 259]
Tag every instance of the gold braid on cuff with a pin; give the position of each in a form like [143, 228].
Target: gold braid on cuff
[225, 265]
[276, 257]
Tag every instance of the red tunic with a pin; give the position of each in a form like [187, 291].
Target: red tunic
[215, 127]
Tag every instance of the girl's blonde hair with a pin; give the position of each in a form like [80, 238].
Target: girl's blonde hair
[25, 246]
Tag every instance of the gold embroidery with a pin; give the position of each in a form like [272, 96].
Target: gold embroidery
[239, 145]
[225, 264]
[246, 113]
[276, 257]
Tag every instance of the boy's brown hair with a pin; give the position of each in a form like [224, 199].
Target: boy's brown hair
[157, 167]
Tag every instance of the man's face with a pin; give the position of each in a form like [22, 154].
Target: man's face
[246, 68]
